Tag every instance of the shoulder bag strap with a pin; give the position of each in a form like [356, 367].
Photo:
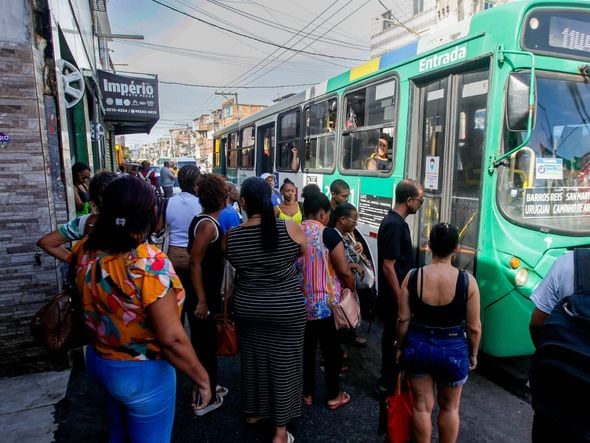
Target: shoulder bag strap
[466, 283]
[413, 282]
[581, 274]
[421, 270]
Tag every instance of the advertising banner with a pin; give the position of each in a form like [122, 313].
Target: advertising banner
[129, 99]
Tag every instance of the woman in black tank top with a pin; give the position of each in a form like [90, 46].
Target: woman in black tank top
[438, 335]
[206, 267]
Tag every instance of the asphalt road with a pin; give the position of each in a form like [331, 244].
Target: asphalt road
[494, 407]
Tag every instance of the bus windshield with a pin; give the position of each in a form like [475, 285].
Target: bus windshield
[546, 184]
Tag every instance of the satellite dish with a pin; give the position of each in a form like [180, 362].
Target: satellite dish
[72, 82]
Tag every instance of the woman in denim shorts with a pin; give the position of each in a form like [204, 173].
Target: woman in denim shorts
[438, 335]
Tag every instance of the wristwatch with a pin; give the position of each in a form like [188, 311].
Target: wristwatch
[397, 345]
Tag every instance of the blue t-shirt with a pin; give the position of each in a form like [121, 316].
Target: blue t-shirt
[228, 218]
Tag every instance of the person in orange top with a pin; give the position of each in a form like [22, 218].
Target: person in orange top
[131, 298]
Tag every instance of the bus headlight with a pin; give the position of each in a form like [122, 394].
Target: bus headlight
[521, 277]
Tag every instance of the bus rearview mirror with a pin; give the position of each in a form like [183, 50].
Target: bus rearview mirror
[517, 102]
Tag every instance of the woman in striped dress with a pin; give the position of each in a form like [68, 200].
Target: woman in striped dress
[270, 309]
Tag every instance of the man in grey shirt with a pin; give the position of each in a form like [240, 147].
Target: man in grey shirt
[557, 284]
[167, 180]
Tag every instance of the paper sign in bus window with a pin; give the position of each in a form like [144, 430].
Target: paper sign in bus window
[549, 168]
[431, 172]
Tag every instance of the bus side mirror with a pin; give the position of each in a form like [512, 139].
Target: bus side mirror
[517, 102]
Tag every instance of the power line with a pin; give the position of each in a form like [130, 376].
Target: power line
[384, 7]
[251, 37]
[300, 6]
[272, 57]
[329, 41]
[234, 86]
[402, 24]
[217, 57]
[293, 55]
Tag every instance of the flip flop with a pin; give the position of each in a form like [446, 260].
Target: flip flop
[221, 390]
[346, 399]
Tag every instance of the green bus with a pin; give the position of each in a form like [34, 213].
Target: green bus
[492, 117]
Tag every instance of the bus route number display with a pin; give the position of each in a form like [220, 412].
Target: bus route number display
[372, 208]
[562, 33]
[560, 202]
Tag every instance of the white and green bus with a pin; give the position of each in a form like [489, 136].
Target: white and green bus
[492, 117]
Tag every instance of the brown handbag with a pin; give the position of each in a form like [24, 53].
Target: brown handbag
[227, 333]
[59, 325]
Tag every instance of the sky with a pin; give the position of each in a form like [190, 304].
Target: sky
[326, 37]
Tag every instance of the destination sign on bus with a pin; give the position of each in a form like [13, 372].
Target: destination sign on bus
[559, 33]
[559, 202]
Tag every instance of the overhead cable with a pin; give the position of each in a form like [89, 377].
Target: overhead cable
[329, 41]
[272, 57]
[234, 86]
[251, 37]
[293, 55]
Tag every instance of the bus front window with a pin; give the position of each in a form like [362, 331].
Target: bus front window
[546, 184]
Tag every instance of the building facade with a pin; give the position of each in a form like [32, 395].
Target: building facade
[407, 20]
[53, 112]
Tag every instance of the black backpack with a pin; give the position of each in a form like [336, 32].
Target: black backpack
[560, 368]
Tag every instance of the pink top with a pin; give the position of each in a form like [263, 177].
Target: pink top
[321, 286]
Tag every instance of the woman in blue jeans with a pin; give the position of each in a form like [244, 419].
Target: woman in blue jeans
[438, 335]
[131, 299]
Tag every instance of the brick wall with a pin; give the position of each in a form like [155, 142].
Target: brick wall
[29, 208]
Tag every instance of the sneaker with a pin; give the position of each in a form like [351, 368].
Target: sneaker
[210, 407]
[221, 390]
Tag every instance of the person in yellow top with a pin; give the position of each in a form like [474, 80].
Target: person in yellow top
[289, 208]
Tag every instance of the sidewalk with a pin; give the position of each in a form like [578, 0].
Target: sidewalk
[40, 409]
[27, 412]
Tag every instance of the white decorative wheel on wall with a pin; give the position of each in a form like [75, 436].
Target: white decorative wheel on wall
[72, 82]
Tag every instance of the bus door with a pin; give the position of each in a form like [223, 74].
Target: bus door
[231, 167]
[246, 157]
[265, 148]
[449, 161]
[219, 154]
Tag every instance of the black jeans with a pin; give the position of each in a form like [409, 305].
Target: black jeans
[322, 331]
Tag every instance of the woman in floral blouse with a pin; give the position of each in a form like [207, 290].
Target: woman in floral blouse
[325, 271]
[132, 299]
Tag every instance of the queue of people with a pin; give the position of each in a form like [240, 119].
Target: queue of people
[291, 262]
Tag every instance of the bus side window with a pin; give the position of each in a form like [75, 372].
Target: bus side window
[370, 113]
[353, 158]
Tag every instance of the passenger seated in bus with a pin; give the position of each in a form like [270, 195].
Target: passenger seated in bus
[380, 161]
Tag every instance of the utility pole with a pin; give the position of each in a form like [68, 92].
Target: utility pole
[234, 94]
